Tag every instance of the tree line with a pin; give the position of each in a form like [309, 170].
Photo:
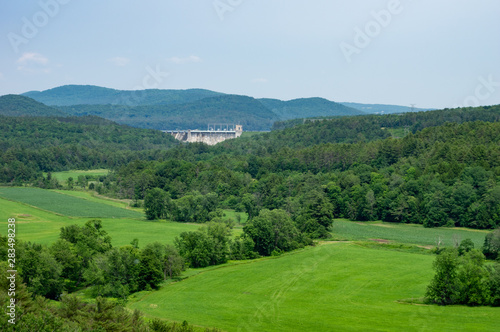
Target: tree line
[441, 176]
[32, 145]
[463, 276]
[84, 257]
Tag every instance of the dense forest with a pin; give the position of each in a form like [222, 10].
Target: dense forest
[413, 121]
[31, 145]
[443, 175]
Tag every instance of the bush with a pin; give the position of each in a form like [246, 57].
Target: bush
[464, 280]
[491, 246]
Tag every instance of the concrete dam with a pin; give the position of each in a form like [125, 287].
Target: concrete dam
[213, 135]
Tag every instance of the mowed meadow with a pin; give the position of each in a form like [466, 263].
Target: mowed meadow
[40, 214]
[365, 279]
[331, 287]
[66, 205]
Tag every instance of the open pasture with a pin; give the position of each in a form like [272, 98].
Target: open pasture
[405, 233]
[331, 287]
[65, 204]
[41, 226]
[94, 197]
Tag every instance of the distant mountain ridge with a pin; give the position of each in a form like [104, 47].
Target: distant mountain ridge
[308, 107]
[183, 109]
[16, 105]
[224, 109]
[385, 109]
[194, 108]
[68, 95]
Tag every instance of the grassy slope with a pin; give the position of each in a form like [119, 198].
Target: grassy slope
[65, 204]
[404, 233]
[336, 286]
[36, 225]
[94, 197]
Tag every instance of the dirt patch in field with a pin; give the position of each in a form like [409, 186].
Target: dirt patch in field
[380, 240]
[471, 230]
[370, 224]
[24, 215]
[328, 242]
[383, 225]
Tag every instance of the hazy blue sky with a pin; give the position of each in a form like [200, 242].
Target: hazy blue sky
[433, 53]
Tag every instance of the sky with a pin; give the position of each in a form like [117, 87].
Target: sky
[430, 53]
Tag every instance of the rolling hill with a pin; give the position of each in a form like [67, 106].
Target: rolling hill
[94, 95]
[383, 109]
[183, 109]
[15, 105]
[246, 111]
[195, 108]
[307, 107]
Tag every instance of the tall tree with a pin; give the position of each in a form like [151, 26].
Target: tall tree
[273, 230]
[445, 286]
[156, 204]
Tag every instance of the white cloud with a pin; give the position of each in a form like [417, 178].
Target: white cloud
[32, 58]
[189, 59]
[120, 61]
[33, 63]
[259, 80]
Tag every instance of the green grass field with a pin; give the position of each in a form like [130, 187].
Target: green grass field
[41, 226]
[397, 132]
[94, 197]
[331, 287]
[63, 177]
[65, 204]
[233, 215]
[404, 233]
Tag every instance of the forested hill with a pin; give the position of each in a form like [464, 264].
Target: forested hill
[29, 145]
[413, 121]
[94, 95]
[307, 107]
[383, 108]
[15, 105]
[88, 131]
[243, 110]
[441, 175]
[356, 129]
[444, 175]
[184, 109]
